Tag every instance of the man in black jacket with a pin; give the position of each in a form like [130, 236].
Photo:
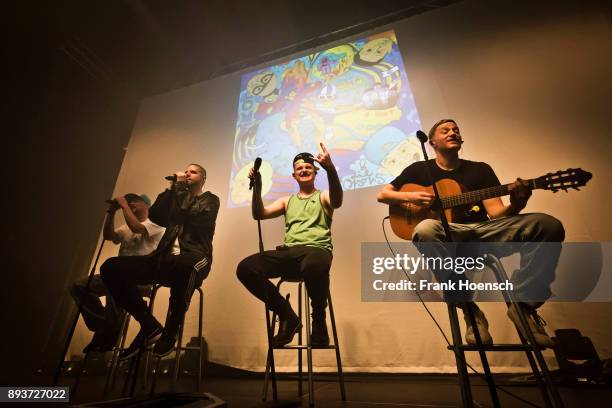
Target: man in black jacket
[181, 261]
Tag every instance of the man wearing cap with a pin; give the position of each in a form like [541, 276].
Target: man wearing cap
[307, 250]
[488, 221]
[181, 261]
[139, 236]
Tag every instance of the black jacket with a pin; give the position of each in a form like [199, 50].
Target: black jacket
[191, 219]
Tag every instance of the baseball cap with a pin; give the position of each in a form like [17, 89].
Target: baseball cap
[131, 197]
[304, 157]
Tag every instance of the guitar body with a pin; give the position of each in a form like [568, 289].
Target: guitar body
[404, 218]
[459, 204]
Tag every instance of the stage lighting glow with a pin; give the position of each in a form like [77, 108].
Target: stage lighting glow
[354, 97]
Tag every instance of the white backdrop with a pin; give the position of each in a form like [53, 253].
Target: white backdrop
[531, 94]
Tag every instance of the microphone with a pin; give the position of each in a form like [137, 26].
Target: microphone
[421, 136]
[171, 178]
[256, 167]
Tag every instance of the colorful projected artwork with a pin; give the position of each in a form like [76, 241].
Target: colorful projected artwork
[355, 98]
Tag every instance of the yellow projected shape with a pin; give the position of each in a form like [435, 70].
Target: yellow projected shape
[240, 185]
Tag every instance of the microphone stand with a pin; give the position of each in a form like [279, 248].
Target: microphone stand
[269, 332]
[58, 370]
[466, 394]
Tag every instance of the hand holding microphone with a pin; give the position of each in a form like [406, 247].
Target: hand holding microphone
[178, 176]
[254, 172]
[113, 206]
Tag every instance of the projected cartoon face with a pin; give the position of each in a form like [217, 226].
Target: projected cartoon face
[264, 85]
[404, 154]
[375, 50]
[240, 192]
[333, 63]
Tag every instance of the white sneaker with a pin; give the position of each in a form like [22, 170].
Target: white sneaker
[536, 324]
[481, 323]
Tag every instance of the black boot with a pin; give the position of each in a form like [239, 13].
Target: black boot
[150, 331]
[165, 344]
[289, 325]
[319, 337]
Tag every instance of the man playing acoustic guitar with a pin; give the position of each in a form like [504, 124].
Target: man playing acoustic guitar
[488, 220]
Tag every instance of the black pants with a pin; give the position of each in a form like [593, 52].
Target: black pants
[182, 273]
[310, 263]
[105, 320]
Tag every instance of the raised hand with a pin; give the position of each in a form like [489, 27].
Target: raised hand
[121, 201]
[324, 159]
[256, 176]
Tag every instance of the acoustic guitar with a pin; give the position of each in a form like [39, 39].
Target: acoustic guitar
[458, 204]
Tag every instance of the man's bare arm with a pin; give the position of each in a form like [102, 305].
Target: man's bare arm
[390, 195]
[336, 194]
[258, 210]
[130, 219]
[108, 232]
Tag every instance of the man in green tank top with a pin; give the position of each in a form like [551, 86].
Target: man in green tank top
[307, 249]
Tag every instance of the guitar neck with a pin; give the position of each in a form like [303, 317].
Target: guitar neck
[479, 195]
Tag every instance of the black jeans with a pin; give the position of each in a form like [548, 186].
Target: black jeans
[182, 273]
[310, 263]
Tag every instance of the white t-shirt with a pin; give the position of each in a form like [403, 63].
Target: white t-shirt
[135, 244]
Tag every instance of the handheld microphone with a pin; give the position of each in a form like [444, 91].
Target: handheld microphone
[256, 167]
[422, 136]
[171, 178]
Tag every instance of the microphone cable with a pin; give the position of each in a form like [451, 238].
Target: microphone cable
[482, 377]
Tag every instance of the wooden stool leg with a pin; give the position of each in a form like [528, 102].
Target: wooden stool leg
[270, 369]
[300, 342]
[501, 275]
[309, 349]
[114, 363]
[337, 347]
[82, 367]
[200, 339]
[464, 381]
[177, 356]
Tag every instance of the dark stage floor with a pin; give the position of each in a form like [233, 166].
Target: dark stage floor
[243, 389]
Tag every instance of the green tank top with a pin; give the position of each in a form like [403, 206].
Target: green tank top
[306, 222]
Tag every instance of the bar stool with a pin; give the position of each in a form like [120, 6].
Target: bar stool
[119, 346]
[300, 346]
[178, 347]
[528, 345]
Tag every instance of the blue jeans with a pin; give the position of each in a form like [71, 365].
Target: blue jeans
[538, 260]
